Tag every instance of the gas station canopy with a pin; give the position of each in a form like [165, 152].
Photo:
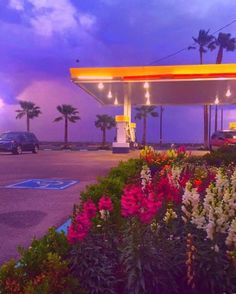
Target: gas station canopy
[159, 85]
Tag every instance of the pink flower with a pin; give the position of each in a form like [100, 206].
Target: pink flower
[83, 220]
[130, 200]
[181, 149]
[78, 230]
[76, 233]
[105, 203]
[144, 205]
[90, 208]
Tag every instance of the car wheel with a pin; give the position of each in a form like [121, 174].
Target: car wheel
[18, 150]
[36, 149]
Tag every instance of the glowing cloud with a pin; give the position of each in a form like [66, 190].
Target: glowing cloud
[16, 4]
[1, 103]
[49, 16]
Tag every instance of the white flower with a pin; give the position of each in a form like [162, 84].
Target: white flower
[210, 227]
[215, 248]
[174, 176]
[190, 202]
[231, 238]
[104, 214]
[145, 175]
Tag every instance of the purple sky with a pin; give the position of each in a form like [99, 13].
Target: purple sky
[41, 39]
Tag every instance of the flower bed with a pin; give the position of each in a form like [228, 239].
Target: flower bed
[160, 224]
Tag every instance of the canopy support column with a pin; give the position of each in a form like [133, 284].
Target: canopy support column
[122, 144]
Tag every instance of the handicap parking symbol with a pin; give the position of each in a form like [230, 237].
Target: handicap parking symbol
[49, 184]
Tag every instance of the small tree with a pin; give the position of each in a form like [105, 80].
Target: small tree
[69, 114]
[104, 122]
[28, 109]
[142, 113]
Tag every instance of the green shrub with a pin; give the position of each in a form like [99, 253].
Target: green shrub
[95, 263]
[153, 257]
[42, 268]
[112, 185]
[223, 156]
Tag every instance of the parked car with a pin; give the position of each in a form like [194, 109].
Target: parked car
[17, 142]
[222, 138]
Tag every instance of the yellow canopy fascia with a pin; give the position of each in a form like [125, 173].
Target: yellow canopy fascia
[132, 73]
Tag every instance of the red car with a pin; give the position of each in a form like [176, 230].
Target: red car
[222, 138]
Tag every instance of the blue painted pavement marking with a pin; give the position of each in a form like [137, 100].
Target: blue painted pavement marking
[64, 227]
[49, 184]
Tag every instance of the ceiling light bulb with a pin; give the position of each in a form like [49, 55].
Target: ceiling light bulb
[217, 101]
[228, 93]
[147, 95]
[146, 85]
[109, 95]
[116, 102]
[100, 86]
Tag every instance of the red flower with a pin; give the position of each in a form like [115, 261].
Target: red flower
[79, 229]
[142, 204]
[197, 183]
[89, 208]
[105, 203]
[169, 192]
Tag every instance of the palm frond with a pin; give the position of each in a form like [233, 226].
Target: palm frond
[58, 118]
[73, 118]
[105, 121]
[20, 114]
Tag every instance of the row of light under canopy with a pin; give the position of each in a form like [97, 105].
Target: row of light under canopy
[147, 94]
[227, 94]
[109, 94]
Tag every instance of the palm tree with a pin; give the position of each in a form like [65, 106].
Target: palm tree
[142, 113]
[69, 113]
[28, 109]
[224, 42]
[204, 41]
[104, 122]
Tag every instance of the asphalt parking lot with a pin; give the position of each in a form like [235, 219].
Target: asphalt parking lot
[25, 213]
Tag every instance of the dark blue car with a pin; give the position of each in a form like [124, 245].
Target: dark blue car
[17, 142]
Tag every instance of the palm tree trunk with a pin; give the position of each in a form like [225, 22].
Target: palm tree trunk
[103, 137]
[161, 110]
[144, 130]
[222, 118]
[206, 133]
[209, 136]
[205, 113]
[66, 131]
[216, 117]
[201, 56]
[28, 123]
[220, 55]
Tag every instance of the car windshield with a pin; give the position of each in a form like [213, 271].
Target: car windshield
[229, 135]
[9, 136]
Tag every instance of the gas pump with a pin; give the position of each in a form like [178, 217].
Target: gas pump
[122, 144]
